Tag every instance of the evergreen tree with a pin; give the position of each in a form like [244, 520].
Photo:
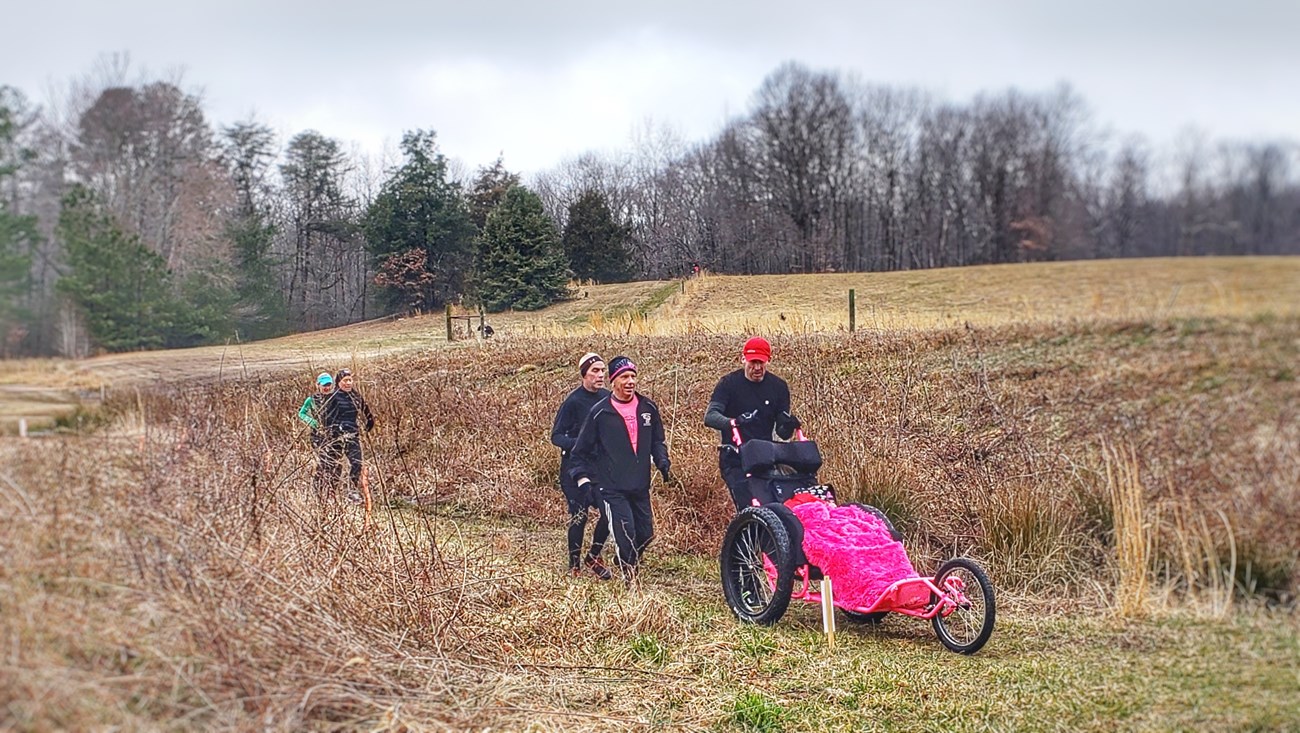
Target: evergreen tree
[489, 190]
[260, 310]
[594, 243]
[521, 264]
[418, 230]
[18, 234]
[121, 288]
[208, 308]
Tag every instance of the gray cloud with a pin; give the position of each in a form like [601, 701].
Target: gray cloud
[541, 81]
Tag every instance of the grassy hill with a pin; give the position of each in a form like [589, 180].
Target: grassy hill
[1064, 292]
[1123, 457]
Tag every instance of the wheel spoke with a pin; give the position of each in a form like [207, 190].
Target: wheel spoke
[751, 575]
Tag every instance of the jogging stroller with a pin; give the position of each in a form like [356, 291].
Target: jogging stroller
[795, 531]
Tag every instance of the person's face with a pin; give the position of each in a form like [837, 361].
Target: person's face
[594, 379]
[326, 388]
[345, 383]
[624, 385]
[755, 370]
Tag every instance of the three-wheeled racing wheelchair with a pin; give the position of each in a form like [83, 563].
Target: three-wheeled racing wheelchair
[795, 534]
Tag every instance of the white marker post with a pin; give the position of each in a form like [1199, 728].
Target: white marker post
[828, 611]
[22, 427]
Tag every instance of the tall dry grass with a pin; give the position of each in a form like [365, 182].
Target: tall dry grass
[180, 569]
[1200, 564]
[1134, 535]
[176, 566]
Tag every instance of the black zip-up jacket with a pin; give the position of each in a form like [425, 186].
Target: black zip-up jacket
[735, 395]
[603, 452]
[343, 412]
[568, 421]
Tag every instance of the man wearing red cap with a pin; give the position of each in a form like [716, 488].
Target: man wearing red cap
[754, 403]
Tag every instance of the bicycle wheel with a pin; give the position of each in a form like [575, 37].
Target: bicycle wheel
[966, 627]
[757, 566]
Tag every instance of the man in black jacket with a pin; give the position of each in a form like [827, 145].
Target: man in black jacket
[750, 402]
[622, 437]
[564, 433]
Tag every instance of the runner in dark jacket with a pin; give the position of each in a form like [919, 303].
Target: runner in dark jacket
[622, 438]
[345, 413]
[564, 433]
[753, 402]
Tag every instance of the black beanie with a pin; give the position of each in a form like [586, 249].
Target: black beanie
[620, 364]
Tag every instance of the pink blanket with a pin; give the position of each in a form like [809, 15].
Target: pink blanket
[854, 548]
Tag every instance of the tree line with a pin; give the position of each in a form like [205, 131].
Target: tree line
[129, 220]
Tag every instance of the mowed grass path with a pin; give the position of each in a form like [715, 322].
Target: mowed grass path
[989, 295]
[672, 656]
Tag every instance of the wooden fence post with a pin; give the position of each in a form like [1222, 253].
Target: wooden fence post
[853, 312]
[828, 611]
[449, 321]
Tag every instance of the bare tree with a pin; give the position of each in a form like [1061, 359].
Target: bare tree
[804, 140]
[327, 275]
[149, 154]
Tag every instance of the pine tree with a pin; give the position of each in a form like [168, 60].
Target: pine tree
[260, 310]
[489, 190]
[18, 235]
[420, 217]
[594, 243]
[521, 264]
[121, 288]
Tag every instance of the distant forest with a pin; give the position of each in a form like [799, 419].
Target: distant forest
[129, 219]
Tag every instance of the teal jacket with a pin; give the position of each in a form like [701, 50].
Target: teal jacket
[307, 413]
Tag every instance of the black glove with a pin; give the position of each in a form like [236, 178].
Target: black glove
[786, 424]
[663, 471]
[747, 418]
[593, 493]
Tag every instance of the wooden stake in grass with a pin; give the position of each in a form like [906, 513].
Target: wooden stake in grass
[828, 611]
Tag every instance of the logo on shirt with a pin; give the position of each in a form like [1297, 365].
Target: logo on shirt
[645, 419]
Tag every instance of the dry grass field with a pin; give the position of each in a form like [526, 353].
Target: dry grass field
[1066, 292]
[1123, 455]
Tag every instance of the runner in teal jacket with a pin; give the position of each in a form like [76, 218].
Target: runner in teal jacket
[310, 413]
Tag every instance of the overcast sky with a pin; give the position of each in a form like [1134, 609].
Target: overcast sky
[543, 81]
